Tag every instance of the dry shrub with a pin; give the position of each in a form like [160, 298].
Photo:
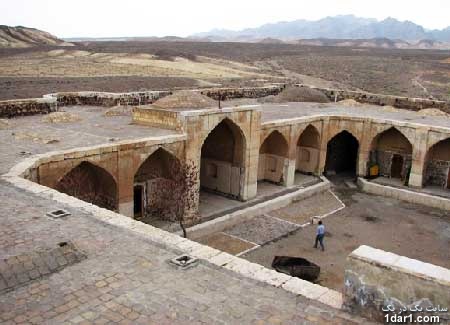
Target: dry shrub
[301, 94]
[185, 99]
[61, 117]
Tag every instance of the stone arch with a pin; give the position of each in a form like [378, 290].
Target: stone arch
[90, 183]
[273, 154]
[437, 165]
[391, 150]
[223, 160]
[153, 180]
[342, 154]
[308, 150]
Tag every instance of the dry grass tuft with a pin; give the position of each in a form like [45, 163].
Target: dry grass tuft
[61, 117]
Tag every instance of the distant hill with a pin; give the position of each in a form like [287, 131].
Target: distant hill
[20, 36]
[338, 27]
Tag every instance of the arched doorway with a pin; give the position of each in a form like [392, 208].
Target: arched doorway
[272, 158]
[153, 183]
[222, 168]
[392, 152]
[397, 166]
[308, 149]
[90, 183]
[437, 165]
[342, 154]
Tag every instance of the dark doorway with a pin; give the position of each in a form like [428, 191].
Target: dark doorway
[138, 191]
[397, 166]
[342, 154]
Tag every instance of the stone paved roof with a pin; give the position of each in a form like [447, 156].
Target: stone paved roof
[126, 278]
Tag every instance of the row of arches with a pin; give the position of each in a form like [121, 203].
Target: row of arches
[223, 165]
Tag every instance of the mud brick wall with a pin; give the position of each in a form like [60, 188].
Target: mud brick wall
[414, 104]
[436, 172]
[251, 92]
[14, 108]
[20, 269]
[109, 99]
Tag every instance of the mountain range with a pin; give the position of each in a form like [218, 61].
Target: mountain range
[337, 27]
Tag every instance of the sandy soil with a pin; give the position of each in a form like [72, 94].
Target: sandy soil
[414, 231]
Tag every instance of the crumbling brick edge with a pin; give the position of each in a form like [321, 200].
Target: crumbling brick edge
[172, 241]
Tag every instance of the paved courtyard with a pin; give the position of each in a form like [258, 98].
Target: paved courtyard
[405, 229]
[272, 226]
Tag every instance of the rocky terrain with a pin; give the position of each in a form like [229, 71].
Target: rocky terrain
[19, 37]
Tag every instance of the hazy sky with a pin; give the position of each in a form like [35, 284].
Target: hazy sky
[102, 18]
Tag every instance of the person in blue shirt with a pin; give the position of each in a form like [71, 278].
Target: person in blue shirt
[319, 235]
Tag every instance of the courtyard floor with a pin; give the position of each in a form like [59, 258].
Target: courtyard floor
[406, 229]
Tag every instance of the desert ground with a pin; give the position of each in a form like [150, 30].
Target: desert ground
[131, 66]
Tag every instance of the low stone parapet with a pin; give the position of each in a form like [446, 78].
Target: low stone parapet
[246, 92]
[23, 107]
[107, 99]
[413, 104]
[404, 195]
[377, 280]
[160, 118]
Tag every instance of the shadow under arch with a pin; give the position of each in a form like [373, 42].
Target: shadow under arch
[223, 160]
[90, 183]
[308, 150]
[272, 155]
[437, 165]
[391, 150]
[152, 183]
[342, 154]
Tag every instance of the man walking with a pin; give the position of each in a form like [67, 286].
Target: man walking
[319, 235]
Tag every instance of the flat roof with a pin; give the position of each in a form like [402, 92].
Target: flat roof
[274, 112]
[33, 135]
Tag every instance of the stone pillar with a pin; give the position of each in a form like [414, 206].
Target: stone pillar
[418, 158]
[125, 183]
[364, 150]
[289, 172]
[250, 186]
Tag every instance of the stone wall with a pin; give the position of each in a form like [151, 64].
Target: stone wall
[375, 279]
[307, 159]
[220, 176]
[22, 107]
[160, 118]
[384, 161]
[108, 99]
[413, 104]
[437, 172]
[250, 92]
